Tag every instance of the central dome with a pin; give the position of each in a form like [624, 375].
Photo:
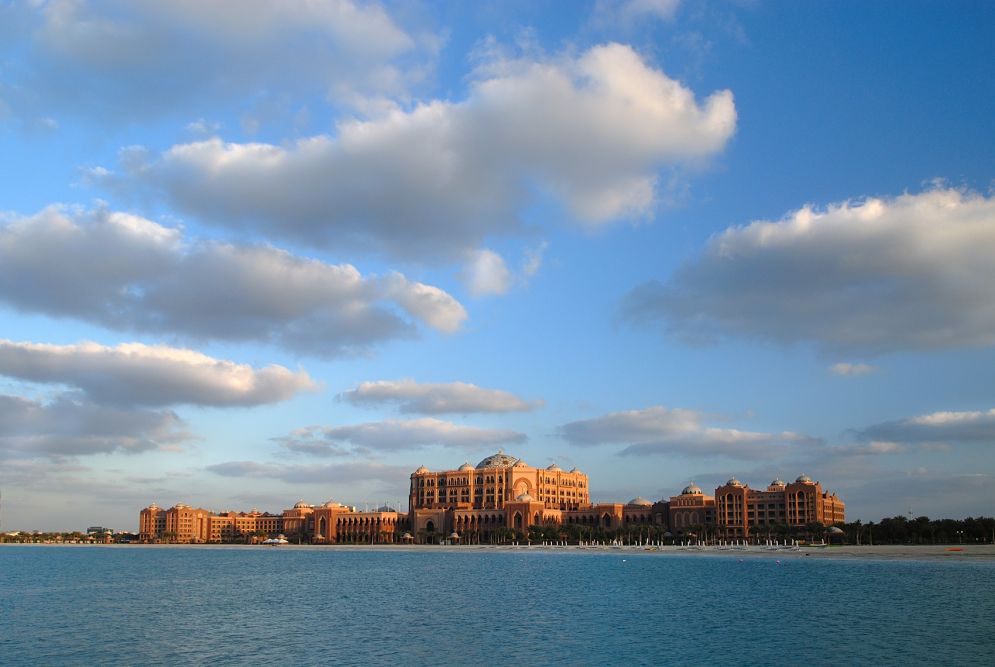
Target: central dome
[499, 460]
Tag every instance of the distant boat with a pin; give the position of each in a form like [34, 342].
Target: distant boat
[274, 541]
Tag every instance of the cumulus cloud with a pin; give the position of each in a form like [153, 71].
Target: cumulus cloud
[335, 473]
[128, 273]
[137, 374]
[98, 57]
[662, 430]
[436, 180]
[871, 276]
[71, 425]
[937, 427]
[437, 398]
[848, 369]
[404, 434]
[487, 274]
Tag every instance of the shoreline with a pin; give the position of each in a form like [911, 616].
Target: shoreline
[931, 552]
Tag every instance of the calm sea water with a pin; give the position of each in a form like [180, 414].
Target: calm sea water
[178, 606]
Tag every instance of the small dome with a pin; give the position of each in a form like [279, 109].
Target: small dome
[332, 503]
[525, 498]
[301, 505]
[386, 508]
[465, 467]
[553, 467]
[778, 482]
[520, 464]
[639, 501]
[804, 479]
[499, 460]
[691, 489]
[578, 472]
[734, 482]
[153, 506]
[421, 470]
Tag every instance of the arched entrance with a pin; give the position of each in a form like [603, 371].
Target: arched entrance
[517, 521]
[607, 520]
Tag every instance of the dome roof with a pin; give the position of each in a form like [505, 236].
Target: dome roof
[499, 460]
[465, 467]
[804, 479]
[554, 467]
[691, 489]
[386, 508]
[520, 464]
[639, 501]
[421, 470]
[778, 482]
[301, 505]
[575, 470]
[734, 482]
[332, 503]
[525, 498]
[153, 506]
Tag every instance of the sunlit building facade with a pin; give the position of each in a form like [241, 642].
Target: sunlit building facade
[329, 523]
[502, 492]
[503, 497]
[740, 509]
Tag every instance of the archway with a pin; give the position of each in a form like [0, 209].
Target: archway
[607, 520]
[429, 526]
[517, 521]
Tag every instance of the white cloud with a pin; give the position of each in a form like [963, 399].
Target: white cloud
[437, 180]
[128, 273]
[661, 430]
[872, 276]
[937, 427]
[848, 369]
[414, 433]
[487, 274]
[335, 473]
[137, 374]
[533, 261]
[97, 58]
[70, 426]
[433, 398]
[629, 14]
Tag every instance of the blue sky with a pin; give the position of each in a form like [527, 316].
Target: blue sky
[253, 252]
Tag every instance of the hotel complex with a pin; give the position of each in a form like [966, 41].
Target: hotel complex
[503, 496]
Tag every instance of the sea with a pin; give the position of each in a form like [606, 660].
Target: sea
[134, 605]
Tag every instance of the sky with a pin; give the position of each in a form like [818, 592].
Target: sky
[258, 252]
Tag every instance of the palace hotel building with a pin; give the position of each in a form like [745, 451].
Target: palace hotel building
[502, 493]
